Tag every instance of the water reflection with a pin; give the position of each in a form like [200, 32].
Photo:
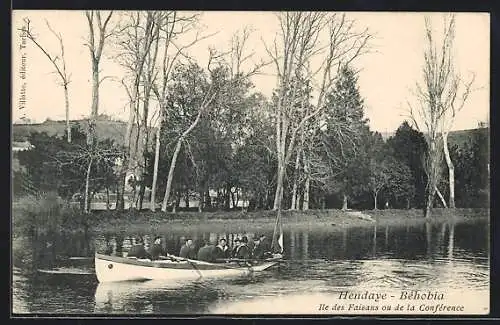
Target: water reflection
[451, 240]
[448, 255]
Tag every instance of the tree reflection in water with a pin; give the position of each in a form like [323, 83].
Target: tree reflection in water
[319, 261]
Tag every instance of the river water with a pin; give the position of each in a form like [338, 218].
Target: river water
[445, 263]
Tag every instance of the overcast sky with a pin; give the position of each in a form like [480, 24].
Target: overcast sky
[386, 78]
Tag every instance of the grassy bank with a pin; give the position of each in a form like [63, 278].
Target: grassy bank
[48, 213]
[237, 220]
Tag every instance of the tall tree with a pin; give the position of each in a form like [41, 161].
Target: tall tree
[409, 146]
[217, 88]
[99, 31]
[437, 98]
[173, 25]
[186, 104]
[58, 62]
[379, 165]
[292, 55]
[137, 39]
[346, 134]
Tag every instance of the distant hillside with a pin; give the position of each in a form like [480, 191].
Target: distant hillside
[105, 129]
[109, 129]
[461, 137]
[458, 137]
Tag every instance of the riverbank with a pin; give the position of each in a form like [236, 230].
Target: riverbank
[49, 214]
[238, 221]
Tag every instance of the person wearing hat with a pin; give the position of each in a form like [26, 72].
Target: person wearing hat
[207, 252]
[187, 250]
[262, 248]
[265, 244]
[156, 250]
[243, 251]
[257, 251]
[236, 245]
[221, 250]
[138, 249]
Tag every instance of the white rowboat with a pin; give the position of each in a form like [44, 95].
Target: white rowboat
[115, 269]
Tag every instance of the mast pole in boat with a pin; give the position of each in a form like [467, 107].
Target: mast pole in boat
[277, 242]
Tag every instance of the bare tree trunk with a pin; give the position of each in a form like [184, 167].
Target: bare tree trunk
[178, 148]
[120, 189]
[432, 169]
[438, 104]
[66, 102]
[238, 197]
[177, 201]
[59, 63]
[171, 175]
[186, 198]
[266, 200]
[96, 45]
[95, 103]
[155, 169]
[278, 197]
[291, 54]
[127, 157]
[107, 198]
[207, 201]
[142, 191]
[87, 184]
[227, 196]
[295, 181]
[202, 200]
[451, 171]
[344, 202]
[174, 206]
[428, 203]
[375, 194]
[441, 197]
[307, 185]
[233, 199]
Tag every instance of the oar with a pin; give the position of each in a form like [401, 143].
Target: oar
[74, 258]
[65, 271]
[177, 258]
[80, 257]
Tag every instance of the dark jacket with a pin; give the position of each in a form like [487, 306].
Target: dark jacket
[207, 253]
[251, 245]
[258, 251]
[187, 252]
[155, 251]
[243, 252]
[138, 251]
[265, 245]
[222, 254]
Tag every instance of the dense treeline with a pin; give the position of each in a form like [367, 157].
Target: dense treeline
[218, 141]
[355, 170]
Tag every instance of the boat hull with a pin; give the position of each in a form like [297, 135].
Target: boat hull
[116, 269]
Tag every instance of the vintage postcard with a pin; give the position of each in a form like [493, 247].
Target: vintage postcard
[254, 163]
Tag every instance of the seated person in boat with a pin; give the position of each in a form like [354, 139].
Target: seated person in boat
[243, 251]
[257, 251]
[156, 250]
[221, 250]
[262, 248]
[236, 245]
[138, 249]
[187, 250]
[207, 253]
